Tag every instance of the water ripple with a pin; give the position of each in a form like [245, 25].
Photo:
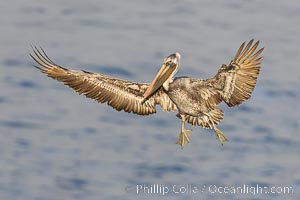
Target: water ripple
[2, 99]
[18, 124]
[11, 62]
[23, 143]
[278, 140]
[27, 84]
[282, 93]
[246, 108]
[71, 183]
[262, 129]
[158, 171]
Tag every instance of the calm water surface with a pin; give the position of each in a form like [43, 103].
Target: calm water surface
[57, 145]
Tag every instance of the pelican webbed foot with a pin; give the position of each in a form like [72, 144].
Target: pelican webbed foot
[220, 135]
[183, 138]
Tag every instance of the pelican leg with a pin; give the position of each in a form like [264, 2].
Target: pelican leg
[219, 134]
[183, 138]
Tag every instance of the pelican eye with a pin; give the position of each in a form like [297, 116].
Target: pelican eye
[169, 63]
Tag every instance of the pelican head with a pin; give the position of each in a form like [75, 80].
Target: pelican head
[165, 74]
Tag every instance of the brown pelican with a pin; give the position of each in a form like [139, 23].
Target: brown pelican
[195, 99]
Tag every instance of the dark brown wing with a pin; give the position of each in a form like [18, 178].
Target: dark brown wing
[237, 80]
[119, 94]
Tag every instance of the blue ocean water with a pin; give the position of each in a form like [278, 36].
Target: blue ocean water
[55, 144]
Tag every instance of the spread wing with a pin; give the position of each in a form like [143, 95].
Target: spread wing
[119, 94]
[233, 84]
[237, 80]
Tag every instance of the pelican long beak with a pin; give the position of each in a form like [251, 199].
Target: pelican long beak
[167, 70]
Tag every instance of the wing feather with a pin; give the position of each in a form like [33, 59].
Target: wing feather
[117, 93]
[203, 121]
[237, 80]
[208, 96]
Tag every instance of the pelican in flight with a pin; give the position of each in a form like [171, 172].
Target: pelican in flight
[195, 99]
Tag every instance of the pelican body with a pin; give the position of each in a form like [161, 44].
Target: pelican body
[195, 99]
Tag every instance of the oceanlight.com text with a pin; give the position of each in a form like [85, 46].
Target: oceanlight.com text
[161, 189]
[246, 189]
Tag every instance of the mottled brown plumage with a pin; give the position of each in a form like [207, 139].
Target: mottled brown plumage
[119, 94]
[195, 100]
